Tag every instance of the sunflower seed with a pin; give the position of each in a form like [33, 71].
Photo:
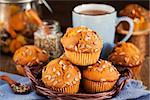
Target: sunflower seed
[58, 73]
[74, 82]
[68, 75]
[90, 66]
[103, 79]
[88, 46]
[96, 50]
[126, 59]
[111, 69]
[67, 83]
[122, 53]
[76, 79]
[55, 82]
[54, 70]
[76, 49]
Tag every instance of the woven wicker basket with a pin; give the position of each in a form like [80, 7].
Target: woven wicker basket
[40, 89]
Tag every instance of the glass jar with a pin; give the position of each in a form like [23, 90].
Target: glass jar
[19, 19]
[48, 38]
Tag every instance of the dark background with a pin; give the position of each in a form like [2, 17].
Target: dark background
[62, 9]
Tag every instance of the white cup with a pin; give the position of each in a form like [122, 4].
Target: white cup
[104, 25]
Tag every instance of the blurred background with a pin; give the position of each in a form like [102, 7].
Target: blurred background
[62, 9]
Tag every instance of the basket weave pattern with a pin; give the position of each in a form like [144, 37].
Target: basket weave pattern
[40, 89]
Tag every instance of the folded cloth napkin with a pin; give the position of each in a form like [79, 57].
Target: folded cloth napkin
[133, 90]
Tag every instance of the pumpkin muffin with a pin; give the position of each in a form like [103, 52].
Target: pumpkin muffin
[100, 77]
[61, 76]
[29, 55]
[127, 55]
[82, 45]
[139, 14]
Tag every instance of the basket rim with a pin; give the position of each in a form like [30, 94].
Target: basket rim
[102, 95]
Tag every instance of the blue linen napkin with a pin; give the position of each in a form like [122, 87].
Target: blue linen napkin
[133, 90]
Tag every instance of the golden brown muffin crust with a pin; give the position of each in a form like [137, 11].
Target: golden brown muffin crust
[29, 55]
[126, 54]
[81, 39]
[60, 73]
[101, 71]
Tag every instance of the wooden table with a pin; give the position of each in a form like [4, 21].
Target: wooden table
[7, 65]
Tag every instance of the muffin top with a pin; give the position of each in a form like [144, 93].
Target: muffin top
[81, 39]
[101, 71]
[134, 11]
[30, 55]
[126, 54]
[60, 73]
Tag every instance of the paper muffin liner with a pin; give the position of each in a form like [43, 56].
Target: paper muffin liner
[94, 87]
[20, 70]
[68, 89]
[82, 59]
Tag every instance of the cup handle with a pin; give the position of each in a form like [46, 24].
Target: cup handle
[131, 24]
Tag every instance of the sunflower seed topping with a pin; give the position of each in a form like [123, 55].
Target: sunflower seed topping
[76, 49]
[55, 82]
[122, 53]
[54, 69]
[58, 73]
[76, 79]
[103, 79]
[68, 75]
[90, 66]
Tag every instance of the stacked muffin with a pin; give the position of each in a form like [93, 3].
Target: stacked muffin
[82, 48]
[127, 55]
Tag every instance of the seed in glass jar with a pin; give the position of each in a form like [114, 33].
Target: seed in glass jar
[68, 75]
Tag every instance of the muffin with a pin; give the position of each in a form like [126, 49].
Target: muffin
[82, 45]
[100, 77]
[139, 15]
[29, 55]
[61, 76]
[127, 55]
